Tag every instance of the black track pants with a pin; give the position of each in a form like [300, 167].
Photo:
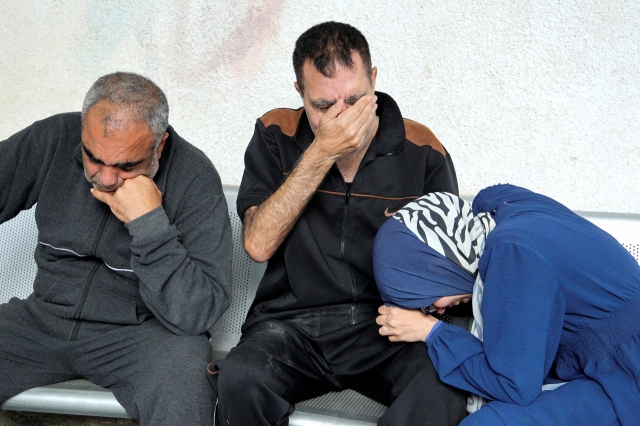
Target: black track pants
[279, 363]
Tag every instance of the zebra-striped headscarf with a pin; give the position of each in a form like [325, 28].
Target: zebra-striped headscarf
[428, 250]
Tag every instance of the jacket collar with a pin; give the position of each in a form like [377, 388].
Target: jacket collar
[388, 140]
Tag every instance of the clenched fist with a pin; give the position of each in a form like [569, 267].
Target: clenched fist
[137, 196]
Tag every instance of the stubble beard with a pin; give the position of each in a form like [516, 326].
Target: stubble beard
[153, 169]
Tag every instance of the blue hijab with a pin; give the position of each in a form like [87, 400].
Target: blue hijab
[429, 249]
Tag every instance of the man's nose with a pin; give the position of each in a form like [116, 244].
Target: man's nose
[108, 177]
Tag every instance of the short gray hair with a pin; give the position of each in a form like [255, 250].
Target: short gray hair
[138, 94]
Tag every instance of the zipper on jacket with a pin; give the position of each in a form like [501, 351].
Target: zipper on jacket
[348, 186]
[342, 249]
[87, 286]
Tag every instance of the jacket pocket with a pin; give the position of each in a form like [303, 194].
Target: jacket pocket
[103, 306]
[61, 293]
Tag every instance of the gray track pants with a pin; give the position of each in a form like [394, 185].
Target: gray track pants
[157, 376]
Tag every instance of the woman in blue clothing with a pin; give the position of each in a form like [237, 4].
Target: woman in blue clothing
[555, 299]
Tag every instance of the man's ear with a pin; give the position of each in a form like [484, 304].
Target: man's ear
[298, 89]
[374, 75]
[161, 145]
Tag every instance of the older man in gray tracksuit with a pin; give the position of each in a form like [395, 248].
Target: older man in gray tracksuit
[134, 254]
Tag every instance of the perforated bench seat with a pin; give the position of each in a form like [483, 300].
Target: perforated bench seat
[18, 238]
[83, 398]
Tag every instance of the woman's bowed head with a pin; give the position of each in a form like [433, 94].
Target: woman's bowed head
[426, 260]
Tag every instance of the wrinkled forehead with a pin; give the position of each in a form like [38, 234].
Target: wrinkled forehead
[113, 135]
[344, 83]
[110, 116]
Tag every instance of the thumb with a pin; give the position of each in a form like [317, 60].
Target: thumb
[101, 196]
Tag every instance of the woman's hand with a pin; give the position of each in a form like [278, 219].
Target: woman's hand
[404, 325]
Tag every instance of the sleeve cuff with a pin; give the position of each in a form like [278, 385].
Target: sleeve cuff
[435, 327]
[154, 222]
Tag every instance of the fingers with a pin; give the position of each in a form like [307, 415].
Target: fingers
[364, 122]
[353, 117]
[385, 323]
[404, 325]
[333, 112]
[390, 333]
[343, 130]
[386, 317]
[361, 114]
[134, 198]
[101, 196]
[368, 126]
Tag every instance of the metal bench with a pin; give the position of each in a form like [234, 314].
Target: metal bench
[18, 238]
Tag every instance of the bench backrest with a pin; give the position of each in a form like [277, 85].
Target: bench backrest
[18, 239]
[246, 276]
[623, 227]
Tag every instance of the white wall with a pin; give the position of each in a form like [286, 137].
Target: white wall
[539, 93]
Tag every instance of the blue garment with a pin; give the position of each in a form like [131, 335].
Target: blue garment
[561, 299]
[405, 278]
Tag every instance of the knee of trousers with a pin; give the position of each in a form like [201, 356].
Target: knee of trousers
[413, 364]
[245, 376]
[182, 362]
[181, 391]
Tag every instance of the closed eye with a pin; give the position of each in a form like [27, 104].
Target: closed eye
[90, 156]
[129, 166]
[323, 106]
[353, 99]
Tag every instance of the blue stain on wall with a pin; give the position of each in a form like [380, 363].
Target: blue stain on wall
[107, 24]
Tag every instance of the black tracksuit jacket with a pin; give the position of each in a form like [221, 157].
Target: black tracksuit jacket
[324, 265]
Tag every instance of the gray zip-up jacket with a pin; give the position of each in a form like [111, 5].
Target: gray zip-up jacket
[173, 263]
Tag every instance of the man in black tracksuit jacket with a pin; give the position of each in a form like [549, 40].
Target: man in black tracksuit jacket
[318, 183]
[134, 255]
